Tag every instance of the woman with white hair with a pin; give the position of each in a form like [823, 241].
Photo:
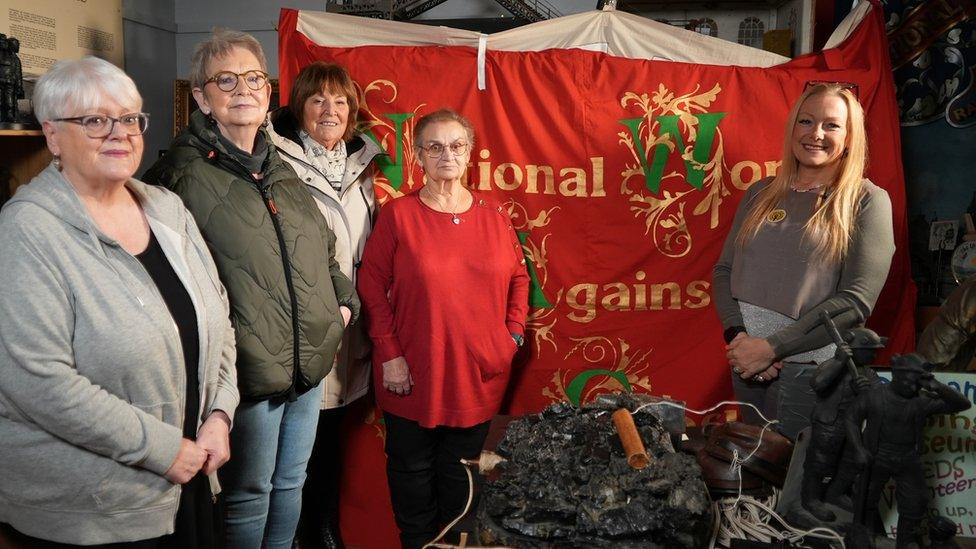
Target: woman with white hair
[117, 381]
[289, 299]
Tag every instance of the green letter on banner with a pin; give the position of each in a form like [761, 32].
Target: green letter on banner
[392, 168]
[707, 124]
[574, 391]
[537, 299]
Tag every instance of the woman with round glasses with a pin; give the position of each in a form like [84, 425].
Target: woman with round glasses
[815, 238]
[289, 299]
[117, 381]
[444, 284]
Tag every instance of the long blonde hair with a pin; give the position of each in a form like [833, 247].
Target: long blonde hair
[831, 226]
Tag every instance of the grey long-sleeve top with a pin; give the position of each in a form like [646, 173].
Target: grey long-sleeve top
[776, 270]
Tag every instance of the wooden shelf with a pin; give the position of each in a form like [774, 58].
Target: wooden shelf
[21, 133]
[24, 153]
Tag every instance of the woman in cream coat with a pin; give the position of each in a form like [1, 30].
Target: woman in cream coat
[316, 134]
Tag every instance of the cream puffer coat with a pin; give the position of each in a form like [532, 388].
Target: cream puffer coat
[350, 214]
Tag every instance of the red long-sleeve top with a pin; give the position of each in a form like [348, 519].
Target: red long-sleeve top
[446, 297]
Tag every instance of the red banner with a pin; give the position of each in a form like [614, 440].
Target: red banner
[622, 176]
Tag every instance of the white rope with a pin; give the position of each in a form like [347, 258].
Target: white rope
[436, 542]
[748, 517]
[751, 518]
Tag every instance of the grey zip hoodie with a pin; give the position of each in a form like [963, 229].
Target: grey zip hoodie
[92, 378]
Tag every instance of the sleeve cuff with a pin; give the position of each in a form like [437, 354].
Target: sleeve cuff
[226, 401]
[778, 346]
[386, 348]
[353, 305]
[163, 443]
[515, 327]
[732, 331]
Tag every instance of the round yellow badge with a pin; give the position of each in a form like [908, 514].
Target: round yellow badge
[776, 216]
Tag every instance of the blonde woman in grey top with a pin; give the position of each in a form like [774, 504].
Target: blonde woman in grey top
[816, 237]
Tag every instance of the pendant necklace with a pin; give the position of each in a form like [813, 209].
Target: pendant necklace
[453, 211]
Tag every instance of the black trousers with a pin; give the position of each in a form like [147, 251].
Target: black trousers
[320, 495]
[428, 484]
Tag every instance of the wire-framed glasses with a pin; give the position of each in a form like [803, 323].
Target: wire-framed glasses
[99, 125]
[227, 81]
[435, 150]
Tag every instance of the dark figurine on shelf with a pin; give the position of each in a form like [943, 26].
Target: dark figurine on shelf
[6, 78]
[837, 382]
[11, 79]
[894, 416]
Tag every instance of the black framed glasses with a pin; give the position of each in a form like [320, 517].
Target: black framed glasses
[436, 150]
[97, 126]
[850, 86]
[228, 81]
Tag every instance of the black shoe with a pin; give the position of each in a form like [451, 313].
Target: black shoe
[330, 538]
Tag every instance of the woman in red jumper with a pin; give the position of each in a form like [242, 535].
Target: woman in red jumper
[444, 282]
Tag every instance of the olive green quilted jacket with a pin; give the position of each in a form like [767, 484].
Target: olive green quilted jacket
[275, 254]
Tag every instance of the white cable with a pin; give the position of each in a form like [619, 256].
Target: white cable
[748, 517]
[467, 506]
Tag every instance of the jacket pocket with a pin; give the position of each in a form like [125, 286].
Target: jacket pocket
[49, 473]
[46, 472]
[493, 353]
[128, 488]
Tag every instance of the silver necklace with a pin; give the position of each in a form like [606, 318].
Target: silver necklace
[816, 187]
[453, 211]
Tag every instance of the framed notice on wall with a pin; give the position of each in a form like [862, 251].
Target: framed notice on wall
[49, 30]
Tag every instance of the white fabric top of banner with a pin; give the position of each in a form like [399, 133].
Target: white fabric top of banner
[847, 26]
[616, 33]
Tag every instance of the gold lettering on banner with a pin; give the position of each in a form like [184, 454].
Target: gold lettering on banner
[500, 180]
[596, 163]
[584, 310]
[657, 296]
[574, 181]
[640, 293]
[747, 172]
[698, 290]
[618, 300]
[532, 179]
[484, 171]
[575, 184]
[587, 299]
[754, 172]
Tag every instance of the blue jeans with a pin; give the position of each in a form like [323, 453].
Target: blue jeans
[270, 446]
[789, 398]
